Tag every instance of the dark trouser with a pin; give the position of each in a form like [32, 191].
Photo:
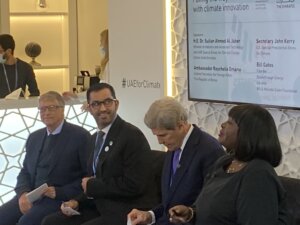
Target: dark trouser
[88, 213]
[89, 216]
[10, 213]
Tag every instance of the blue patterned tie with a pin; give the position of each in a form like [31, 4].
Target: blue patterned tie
[175, 162]
[97, 150]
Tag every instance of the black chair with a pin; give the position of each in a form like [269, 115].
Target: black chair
[292, 187]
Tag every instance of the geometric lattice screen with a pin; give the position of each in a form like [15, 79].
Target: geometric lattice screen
[209, 116]
[15, 126]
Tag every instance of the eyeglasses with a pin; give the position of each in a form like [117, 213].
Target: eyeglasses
[50, 108]
[107, 103]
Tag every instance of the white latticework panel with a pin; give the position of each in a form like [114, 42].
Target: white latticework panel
[209, 116]
[15, 126]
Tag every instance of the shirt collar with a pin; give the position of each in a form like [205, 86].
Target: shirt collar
[188, 134]
[57, 130]
[107, 128]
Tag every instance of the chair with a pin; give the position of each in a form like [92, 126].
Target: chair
[292, 187]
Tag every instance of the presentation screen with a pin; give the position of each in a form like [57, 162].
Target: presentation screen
[244, 51]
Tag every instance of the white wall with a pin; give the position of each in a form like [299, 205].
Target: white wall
[4, 14]
[136, 51]
[92, 19]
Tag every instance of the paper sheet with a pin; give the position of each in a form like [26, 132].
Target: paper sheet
[69, 211]
[14, 95]
[37, 193]
[129, 222]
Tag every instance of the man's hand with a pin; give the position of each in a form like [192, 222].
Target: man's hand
[73, 204]
[50, 192]
[139, 217]
[180, 214]
[24, 204]
[84, 183]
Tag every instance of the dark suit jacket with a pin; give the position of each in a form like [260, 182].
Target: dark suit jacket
[68, 161]
[123, 178]
[199, 153]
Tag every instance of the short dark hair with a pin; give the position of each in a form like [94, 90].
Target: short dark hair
[99, 87]
[257, 134]
[7, 42]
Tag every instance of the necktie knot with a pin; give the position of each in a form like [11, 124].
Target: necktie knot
[99, 140]
[100, 133]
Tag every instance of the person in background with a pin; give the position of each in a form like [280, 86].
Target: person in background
[119, 176]
[104, 70]
[104, 51]
[190, 153]
[242, 187]
[55, 155]
[14, 73]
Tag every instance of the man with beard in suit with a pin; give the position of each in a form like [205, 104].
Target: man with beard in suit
[119, 168]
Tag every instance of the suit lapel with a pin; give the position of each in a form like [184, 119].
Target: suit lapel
[91, 155]
[186, 157]
[39, 145]
[110, 142]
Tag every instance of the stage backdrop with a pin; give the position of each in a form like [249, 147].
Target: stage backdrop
[136, 50]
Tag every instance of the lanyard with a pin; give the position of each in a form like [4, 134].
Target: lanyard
[6, 78]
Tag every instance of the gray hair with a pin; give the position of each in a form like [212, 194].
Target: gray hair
[165, 113]
[52, 95]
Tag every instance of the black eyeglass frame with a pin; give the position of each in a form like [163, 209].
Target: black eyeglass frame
[106, 102]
